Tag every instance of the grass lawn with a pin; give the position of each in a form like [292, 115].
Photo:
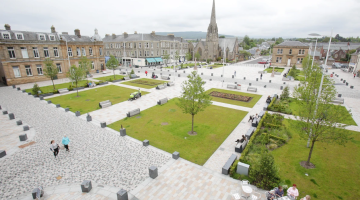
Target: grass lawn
[277, 69]
[336, 175]
[144, 83]
[295, 107]
[107, 78]
[249, 104]
[212, 126]
[50, 88]
[89, 100]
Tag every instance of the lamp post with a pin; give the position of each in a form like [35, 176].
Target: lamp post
[315, 35]
[224, 57]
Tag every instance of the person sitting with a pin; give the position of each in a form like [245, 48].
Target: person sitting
[268, 100]
[279, 192]
[93, 84]
[271, 195]
[307, 197]
[132, 97]
[251, 118]
[139, 92]
[237, 141]
[243, 139]
[293, 192]
[90, 84]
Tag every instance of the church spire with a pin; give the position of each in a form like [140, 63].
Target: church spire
[213, 14]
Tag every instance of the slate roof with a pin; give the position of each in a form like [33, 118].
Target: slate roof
[28, 36]
[139, 37]
[292, 44]
[75, 38]
[228, 42]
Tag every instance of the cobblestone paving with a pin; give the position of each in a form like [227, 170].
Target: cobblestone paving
[96, 154]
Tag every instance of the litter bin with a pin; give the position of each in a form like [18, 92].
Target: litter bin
[97, 71]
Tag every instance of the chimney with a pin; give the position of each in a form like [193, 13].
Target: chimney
[153, 33]
[107, 35]
[7, 27]
[53, 29]
[171, 35]
[65, 33]
[77, 33]
[125, 35]
[135, 32]
[113, 36]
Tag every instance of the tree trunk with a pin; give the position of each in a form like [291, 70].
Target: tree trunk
[114, 74]
[311, 149]
[192, 125]
[53, 82]
[77, 90]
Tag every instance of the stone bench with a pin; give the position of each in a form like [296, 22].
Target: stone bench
[252, 89]
[132, 76]
[133, 112]
[231, 86]
[37, 193]
[239, 148]
[286, 79]
[63, 90]
[160, 87]
[255, 123]
[79, 88]
[122, 72]
[170, 83]
[249, 133]
[126, 78]
[262, 72]
[261, 114]
[162, 101]
[165, 77]
[86, 186]
[105, 104]
[338, 100]
[229, 162]
[277, 73]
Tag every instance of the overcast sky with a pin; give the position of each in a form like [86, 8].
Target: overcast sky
[256, 18]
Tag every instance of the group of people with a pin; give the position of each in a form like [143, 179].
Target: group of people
[91, 84]
[135, 95]
[241, 140]
[292, 193]
[252, 117]
[54, 147]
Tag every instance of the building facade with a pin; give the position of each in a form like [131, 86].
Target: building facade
[289, 53]
[22, 55]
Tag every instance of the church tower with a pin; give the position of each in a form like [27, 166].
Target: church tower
[212, 37]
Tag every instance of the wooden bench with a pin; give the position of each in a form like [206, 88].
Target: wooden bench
[132, 76]
[105, 104]
[229, 162]
[231, 86]
[165, 77]
[133, 112]
[105, 71]
[249, 133]
[126, 78]
[63, 90]
[252, 89]
[338, 100]
[170, 83]
[160, 87]
[162, 101]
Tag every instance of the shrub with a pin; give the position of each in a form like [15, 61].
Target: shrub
[70, 88]
[273, 146]
[35, 90]
[55, 91]
[285, 93]
[265, 140]
[110, 80]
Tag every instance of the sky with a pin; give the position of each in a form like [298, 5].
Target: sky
[255, 18]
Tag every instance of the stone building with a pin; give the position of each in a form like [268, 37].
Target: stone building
[145, 49]
[22, 54]
[289, 53]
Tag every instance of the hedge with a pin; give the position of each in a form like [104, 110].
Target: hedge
[271, 103]
[277, 138]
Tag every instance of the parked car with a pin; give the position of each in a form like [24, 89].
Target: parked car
[336, 65]
[344, 66]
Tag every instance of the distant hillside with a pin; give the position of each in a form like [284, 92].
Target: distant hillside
[190, 34]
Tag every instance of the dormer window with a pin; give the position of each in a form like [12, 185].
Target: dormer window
[19, 36]
[6, 35]
[52, 37]
[42, 37]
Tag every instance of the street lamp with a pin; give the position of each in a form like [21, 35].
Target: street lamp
[314, 35]
[224, 57]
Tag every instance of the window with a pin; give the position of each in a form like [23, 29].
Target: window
[39, 69]
[24, 52]
[100, 51]
[6, 35]
[90, 51]
[42, 37]
[152, 46]
[290, 51]
[140, 52]
[152, 53]
[279, 51]
[139, 45]
[92, 65]
[52, 37]
[70, 52]
[56, 52]
[157, 45]
[36, 52]
[134, 45]
[157, 53]
[11, 52]
[46, 52]
[83, 51]
[145, 53]
[299, 60]
[278, 59]
[16, 71]
[111, 46]
[19, 36]
[106, 46]
[78, 53]
[28, 70]
[301, 51]
[59, 67]
[131, 45]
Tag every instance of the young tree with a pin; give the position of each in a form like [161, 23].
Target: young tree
[166, 57]
[194, 99]
[285, 93]
[85, 64]
[50, 70]
[76, 74]
[265, 174]
[318, 118]
[177, 56]
[188, 56]
[112, 64]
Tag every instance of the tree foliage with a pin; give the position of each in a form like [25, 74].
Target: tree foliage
[265, 174]
[197, 56]
[194, 99]
[285, 93]
[188, 56]
[35, 90]
[112, 64]
[76, 74]
[85, 64]
[166, 57]
[50, 70]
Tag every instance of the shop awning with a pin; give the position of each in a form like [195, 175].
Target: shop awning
[158, 60]
[150, 60]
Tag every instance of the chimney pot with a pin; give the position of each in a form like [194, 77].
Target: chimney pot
[125, 34]
[65, 33]
[153, 33]
[135, 32]
[7, 27]
[77, 33]
[53, 29]
[113, 36]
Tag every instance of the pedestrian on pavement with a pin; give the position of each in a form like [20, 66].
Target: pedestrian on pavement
[234, 73]
[65, 141]
[251, 118]
[354, 75]
[264, 66]
[146, 72]
[54, 148]
[140, 92]
[261, 76]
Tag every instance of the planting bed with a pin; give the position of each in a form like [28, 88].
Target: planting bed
[230, 96]
[144, 83]
[151, 83]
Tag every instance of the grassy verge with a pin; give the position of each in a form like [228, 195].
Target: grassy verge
[277, 69]
[249, 104]
[110, 78]
[50, 88]
[147, 83]
[167, 127]
[89, 100]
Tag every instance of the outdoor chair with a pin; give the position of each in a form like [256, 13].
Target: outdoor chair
[245, 182]
[255, 196]
[236, 195]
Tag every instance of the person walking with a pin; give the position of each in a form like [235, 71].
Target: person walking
[65, 142]
[354, 75]
[54, 148]
[261, 76]
[146, 72]
[234, 73]
[139, 92]
[264, 66]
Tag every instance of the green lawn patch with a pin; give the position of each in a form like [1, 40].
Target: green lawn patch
[89, 100]
[250, 104]
[50, 88]
[337, 167]
[144, 83]
[166, 127]
[110, 78]
[277, 69]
